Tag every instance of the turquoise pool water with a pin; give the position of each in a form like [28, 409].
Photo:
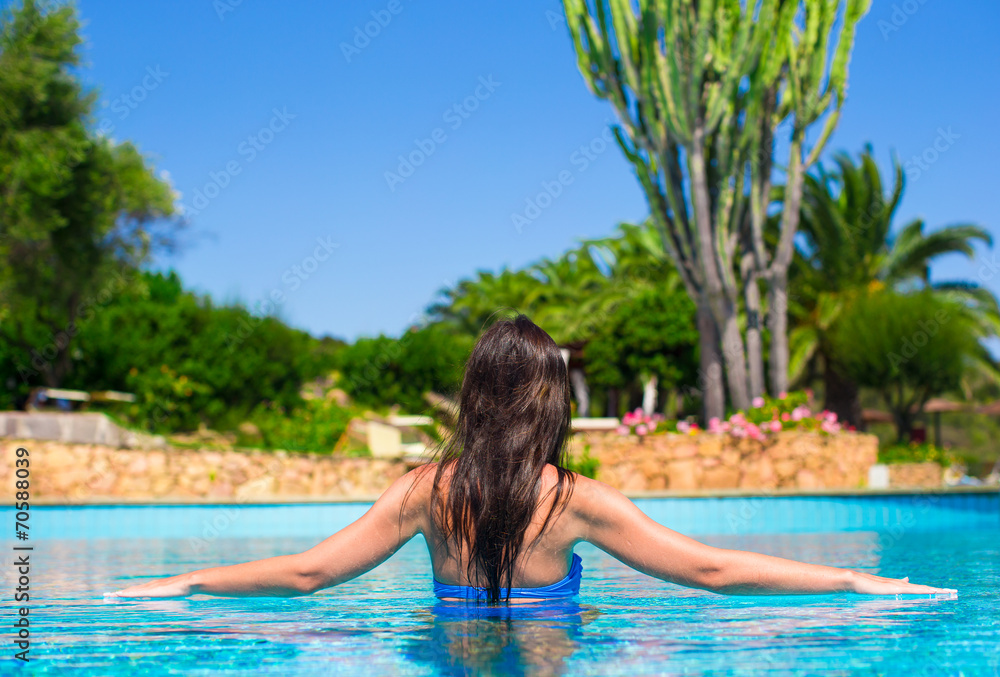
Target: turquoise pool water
[623, 623]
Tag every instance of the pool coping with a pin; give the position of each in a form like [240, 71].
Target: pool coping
[696, 493]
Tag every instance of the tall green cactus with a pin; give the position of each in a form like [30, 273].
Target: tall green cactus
[699, 86]
[677, 74]
[813, 87]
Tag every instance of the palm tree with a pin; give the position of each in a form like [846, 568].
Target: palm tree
[564, 295]
[470, 304]
[572, 296]
[635, 264]
[849, 247]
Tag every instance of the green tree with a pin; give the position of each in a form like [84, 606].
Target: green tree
[651, 341]
[573, 297]
[78, 213]
[382, 371]
[700, 89]
[191, 362]
[636, 269]
[470, 304]
[908, 347]
[851, 246]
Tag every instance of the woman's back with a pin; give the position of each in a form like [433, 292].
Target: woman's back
[547, 555]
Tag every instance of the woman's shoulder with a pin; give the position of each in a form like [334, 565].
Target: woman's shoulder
[419, 482]
[589, 497]
[420, 478]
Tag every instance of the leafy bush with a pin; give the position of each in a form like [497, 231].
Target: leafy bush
[652, 333]
[382, 371]
[908, 347]
[916, 453]
[585, 465]
[190, 362]
[165, 400]
[315, 426]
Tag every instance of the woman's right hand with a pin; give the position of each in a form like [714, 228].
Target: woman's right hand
[868, 584]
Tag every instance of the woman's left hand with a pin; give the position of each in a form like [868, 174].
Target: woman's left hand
[175, 586]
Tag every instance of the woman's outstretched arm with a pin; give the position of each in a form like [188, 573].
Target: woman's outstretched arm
[614, 524]
[352, 551]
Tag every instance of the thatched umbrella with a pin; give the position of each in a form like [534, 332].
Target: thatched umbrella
[876, 416]
[991, 409]
[935, 406]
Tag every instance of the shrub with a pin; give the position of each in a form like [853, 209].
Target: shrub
[383, 371]
[768, 415]
[639, 423]
[314, 426]
[585, 465]
[916, 453]
[166, 400]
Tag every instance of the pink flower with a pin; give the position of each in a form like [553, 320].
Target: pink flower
[638, 412]
[651, 424]
[799, 413]
[683, 427]
[775, 426]
[830, 427]
[658, 418]
[641, 429]
[725, 427]
[628, 419]
[831, 417]
[786, 416]
[714, 424]
[754, 431]
[738, 419]
[757, 402]
[623, 430]
[739, 432]
[782, 395]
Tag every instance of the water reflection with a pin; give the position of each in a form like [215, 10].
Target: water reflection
[526, 639]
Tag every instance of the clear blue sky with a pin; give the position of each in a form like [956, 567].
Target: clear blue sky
[210, 78]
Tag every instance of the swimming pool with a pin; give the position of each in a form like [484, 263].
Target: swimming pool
[623, 623]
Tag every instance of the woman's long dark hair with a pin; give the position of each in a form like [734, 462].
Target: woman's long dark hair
[514, 416]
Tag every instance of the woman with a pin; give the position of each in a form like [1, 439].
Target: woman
[500, 512]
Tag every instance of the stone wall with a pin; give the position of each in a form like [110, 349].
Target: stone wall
[786, 460]
[80, 473]
[916, 475]
[75, 473]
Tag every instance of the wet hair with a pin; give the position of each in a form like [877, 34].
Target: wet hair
[513, 420]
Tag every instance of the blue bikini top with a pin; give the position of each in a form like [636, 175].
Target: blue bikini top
[567, 587]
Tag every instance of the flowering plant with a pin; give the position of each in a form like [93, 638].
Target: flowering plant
[640, 423]
[789, 411]
[687, 428]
